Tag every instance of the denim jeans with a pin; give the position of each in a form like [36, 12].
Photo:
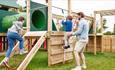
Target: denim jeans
[12, 37]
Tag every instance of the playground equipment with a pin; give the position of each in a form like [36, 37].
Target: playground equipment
[39, 30]
[102, 40]
[38, 19]
[38, 16]
[41, 36]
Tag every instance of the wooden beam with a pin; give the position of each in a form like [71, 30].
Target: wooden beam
[28, 15]
[31, 54]
[49, 49]
[69, 7]
[106, 12]
[49, 15]
[63, 9]
[34, 33]
[57, 16]
[3, 34]
[49, 29]
[101, 22]
[94, 32]
[89, 18]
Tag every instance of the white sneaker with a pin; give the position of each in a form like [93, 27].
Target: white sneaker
[77, 68]
[84, 66]
[23, 52]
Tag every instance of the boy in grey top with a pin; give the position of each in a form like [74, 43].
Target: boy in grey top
[82, 34]
[13, 34]
[16, 27]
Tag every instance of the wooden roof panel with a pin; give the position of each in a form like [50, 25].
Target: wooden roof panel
[106, 12]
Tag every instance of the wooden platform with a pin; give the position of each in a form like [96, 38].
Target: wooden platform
[34, 33]
[56, 53]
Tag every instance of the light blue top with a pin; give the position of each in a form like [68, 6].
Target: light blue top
[83, 30]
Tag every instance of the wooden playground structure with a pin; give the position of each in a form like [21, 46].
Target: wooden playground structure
[55, 38]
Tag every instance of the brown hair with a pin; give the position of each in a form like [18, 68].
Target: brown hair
[21, 18]
[69, 17]
[81, 14]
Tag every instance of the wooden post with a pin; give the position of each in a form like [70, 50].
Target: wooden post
[49, 15]
[28, 15]
[101, 22]
[94, 32]
[49, 30]
[69, 7]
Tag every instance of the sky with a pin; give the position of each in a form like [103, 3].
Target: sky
[86, 6]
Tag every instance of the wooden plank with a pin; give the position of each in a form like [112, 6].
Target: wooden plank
[31, 54]
[55, 33]
[34, 33]
[99, 43]
[56, 58]
[69, 56]
[53, 38]
[101, 22]
[94, 32]
[113, 43]
[2, 34]
[60, 51]
[49, 29]
[28, 15]
[49, 50]
[69, 7]
[57, 42]
[107, 43]
[49, 15]
[106, 12]
[57, 16]
[56, 51]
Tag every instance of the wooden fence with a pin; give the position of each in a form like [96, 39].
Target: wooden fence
[103, 42]
[3, 42]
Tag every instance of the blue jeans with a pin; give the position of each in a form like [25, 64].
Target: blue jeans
[12, 37]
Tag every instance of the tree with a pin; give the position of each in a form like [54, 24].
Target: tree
[108, 33]
[114, 30]
[104, 26]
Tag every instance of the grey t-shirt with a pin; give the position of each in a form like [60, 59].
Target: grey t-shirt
[16, 27]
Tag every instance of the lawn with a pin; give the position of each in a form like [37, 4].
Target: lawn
[105, 61]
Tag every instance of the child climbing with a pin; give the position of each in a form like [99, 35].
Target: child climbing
[82, 33]
[13, 34]
[68, 28]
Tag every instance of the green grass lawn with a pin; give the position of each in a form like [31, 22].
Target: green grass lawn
[105, 61]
